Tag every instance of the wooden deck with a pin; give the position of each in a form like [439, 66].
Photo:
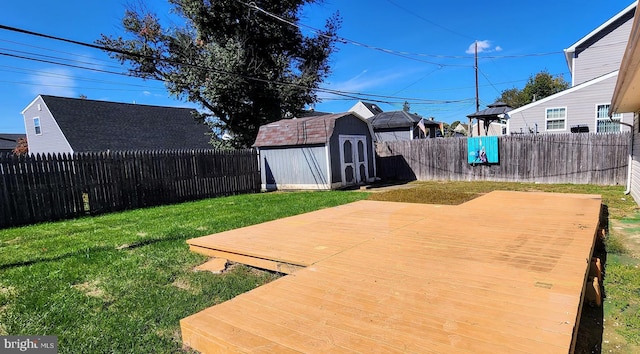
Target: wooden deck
[502, 273]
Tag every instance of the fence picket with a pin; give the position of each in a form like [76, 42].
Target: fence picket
[552, 158]
[53, 187]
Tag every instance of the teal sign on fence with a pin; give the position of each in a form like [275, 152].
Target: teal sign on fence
[482, 149]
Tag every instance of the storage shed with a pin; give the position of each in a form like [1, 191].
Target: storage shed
[319, 153]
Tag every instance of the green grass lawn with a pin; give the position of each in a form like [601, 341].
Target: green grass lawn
[121, 282]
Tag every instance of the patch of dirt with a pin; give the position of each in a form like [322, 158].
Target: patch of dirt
[7, 291]
[92, 289]
[13, 241]
[630, 232]
[182, 284]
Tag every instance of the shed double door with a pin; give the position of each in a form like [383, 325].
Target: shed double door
[353, 159]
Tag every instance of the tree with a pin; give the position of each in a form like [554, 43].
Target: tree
[406, 107]
[538, 87]
[244, 67]
[452, 127]
[22, 147]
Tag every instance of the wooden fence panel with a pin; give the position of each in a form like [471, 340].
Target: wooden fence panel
[53, 187]
[600, 159]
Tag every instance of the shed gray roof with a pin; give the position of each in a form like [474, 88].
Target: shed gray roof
[8, 141]
[492, 111]
[398, 119]
[299, 131]
[91, 125]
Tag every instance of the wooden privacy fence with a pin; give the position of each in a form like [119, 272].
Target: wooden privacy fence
[600, 159]
[53, 187]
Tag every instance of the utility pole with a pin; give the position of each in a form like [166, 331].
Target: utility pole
[477, 96]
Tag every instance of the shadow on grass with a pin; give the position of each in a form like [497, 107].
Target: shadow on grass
[91, 251]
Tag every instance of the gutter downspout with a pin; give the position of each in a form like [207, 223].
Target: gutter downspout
[628, 190]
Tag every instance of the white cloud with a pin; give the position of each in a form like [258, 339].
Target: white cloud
[485, 46]
[53, 81]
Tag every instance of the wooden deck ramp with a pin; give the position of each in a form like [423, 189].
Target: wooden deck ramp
[504, 273]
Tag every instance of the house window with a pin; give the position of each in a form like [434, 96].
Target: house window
[603, 123]
[556, 118]
[36, 126]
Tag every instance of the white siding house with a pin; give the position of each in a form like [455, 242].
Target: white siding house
[72, 125]
[594, 62]
[626, 98]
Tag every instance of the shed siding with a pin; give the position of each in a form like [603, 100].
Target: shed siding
[602, 54]
[349, 125]
[580, 110]
[51, 139]
[298, 167]
[635, 163]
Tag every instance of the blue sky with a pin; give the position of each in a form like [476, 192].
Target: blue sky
[397, 50]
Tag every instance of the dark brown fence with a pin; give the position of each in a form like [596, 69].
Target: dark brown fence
[53, 187]
[600, 159]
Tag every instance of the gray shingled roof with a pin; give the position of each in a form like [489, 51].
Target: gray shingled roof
[398, 119]
[8, 141]
[299, 131]
[492, 111]
[91, 125]
[372, 107]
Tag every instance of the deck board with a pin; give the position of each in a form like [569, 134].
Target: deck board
[502, 273]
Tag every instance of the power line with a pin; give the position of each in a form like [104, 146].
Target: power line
[57, 58]
[405, 55]
[79, 78]
[353, 95]
[54, 50]
[73, 87]
[489, 81]
[63, 64]
[429, 21]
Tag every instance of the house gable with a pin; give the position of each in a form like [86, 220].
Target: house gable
[90, 125]
[49, 138]
[600, 52]
[365, 109]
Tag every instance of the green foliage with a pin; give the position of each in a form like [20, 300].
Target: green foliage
[242, 66]
[542, 85]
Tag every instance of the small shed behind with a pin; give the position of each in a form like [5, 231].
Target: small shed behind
[319, 153]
